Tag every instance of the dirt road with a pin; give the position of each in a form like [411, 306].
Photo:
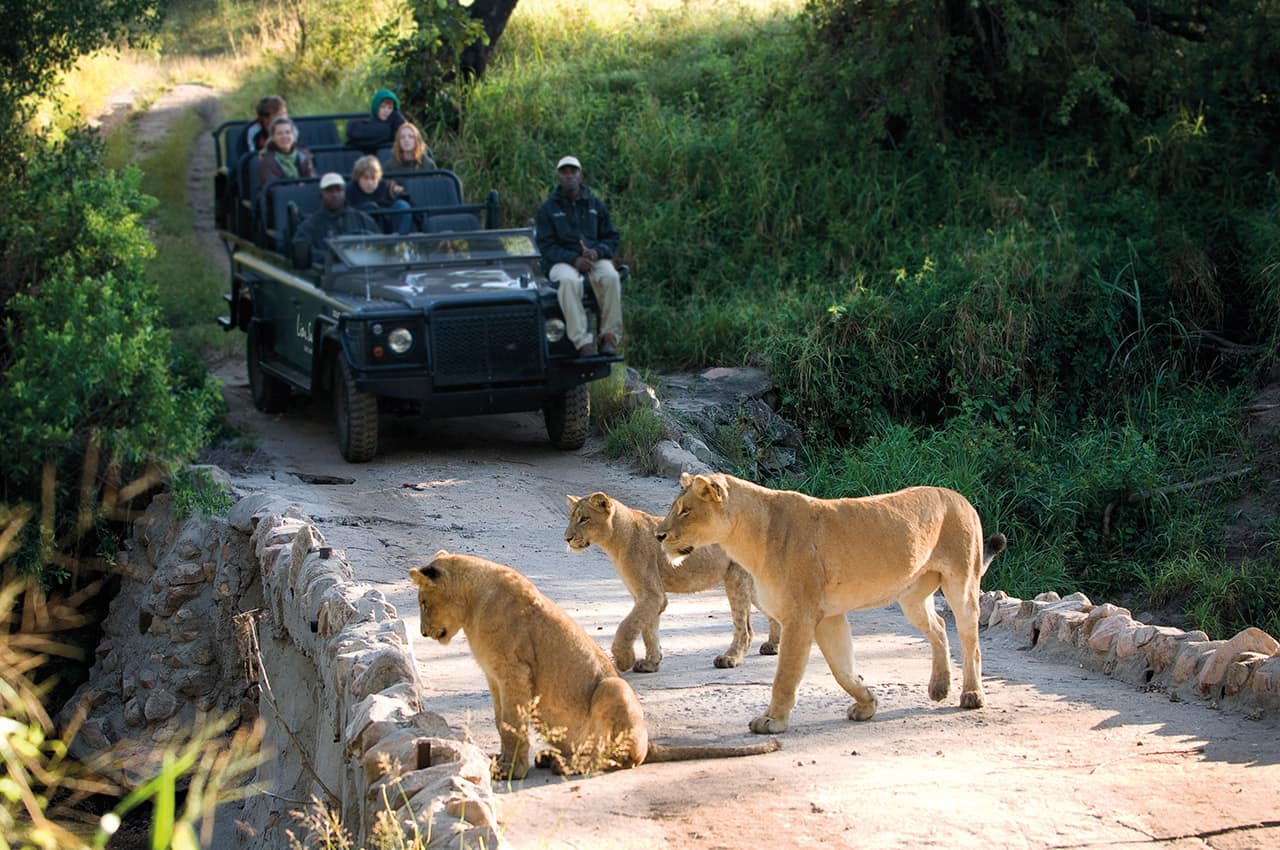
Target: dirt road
[1060, 758]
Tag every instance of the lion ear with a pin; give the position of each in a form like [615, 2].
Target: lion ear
[708, 489]
[599, 501]
[572, 500]
[685, 480]
[422, 576]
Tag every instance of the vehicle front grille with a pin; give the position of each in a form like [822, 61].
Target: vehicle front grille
[486, 345]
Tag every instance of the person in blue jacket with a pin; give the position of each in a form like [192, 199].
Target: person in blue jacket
[578, 243]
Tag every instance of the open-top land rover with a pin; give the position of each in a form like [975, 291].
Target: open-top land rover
[452, 320]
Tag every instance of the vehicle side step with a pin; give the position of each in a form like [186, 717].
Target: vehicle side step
[287, 373]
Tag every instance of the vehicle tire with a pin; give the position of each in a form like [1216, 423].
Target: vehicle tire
[355, 415]
[270, 394]
[568, 417]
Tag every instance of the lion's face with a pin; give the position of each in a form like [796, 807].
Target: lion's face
[440, 615]
[696, 516]
[590, 519]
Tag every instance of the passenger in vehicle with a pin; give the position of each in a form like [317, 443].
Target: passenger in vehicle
[334, 218]
[368, 134]
[283, 157]
[371, 191]
[578, 242]
[258, 132]
[410, 152]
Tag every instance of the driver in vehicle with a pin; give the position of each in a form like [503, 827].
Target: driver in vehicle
[334, 218]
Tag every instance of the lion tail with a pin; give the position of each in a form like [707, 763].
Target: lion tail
[660, 752]
[993, 546]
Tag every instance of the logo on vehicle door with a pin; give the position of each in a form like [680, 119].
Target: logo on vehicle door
[303, 330]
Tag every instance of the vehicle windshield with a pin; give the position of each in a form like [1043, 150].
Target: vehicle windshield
[366, 251]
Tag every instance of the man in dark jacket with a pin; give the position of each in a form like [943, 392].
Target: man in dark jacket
[334, 218]
[578, 242]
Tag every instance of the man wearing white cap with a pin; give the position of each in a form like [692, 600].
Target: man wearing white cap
[578, 242]
[334, 218]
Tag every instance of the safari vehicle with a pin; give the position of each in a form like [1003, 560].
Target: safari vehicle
[452, 321]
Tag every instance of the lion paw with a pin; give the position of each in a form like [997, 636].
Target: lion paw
[644, 665]
[768, 648]
[766, 725]
[863, 710]
[504, 770]
[939, 688]
[623, 660]
[727, 660]
[972, 699]
[551, 760]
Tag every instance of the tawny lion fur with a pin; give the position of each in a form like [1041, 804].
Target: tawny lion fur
[538, 661]
[813, 560]
[627, 536]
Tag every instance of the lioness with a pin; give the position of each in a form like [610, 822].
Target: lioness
[815, 559]
[626, 536]
[537, 659]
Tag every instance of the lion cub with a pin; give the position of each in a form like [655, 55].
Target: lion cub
[627, 536]
[536, 658]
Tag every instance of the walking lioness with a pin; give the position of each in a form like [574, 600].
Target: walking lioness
[813, 560]
[541, 666]
[627, 536]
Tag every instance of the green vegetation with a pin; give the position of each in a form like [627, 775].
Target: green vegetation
[994, 246]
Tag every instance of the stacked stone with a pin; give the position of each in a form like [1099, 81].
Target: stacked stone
[393, 759]
[334, 679]
[167, 657]
[1242, 673]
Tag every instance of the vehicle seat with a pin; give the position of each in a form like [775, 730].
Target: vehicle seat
[314, 131]
[282, 200]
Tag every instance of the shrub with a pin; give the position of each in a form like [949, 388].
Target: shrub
[90, 372]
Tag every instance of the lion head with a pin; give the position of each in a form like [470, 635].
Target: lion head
[441, 604]
[590, 520]
[696, 517]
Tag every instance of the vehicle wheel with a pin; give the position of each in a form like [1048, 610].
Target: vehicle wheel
[568, 417]
[270, 394]
[355, 414]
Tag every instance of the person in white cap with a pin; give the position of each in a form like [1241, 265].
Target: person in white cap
[578, 242]
[334, 218]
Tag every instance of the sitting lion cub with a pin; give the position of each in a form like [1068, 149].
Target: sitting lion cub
[815, 559]
[626, 536]
[538, 660]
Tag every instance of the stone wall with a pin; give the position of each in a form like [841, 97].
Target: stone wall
[1241, 674]
[252, 615]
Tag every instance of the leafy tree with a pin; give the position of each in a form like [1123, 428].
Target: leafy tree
[424, 52]
[94, 394]
[40, 39]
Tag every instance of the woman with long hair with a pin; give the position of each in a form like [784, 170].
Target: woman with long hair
[408, 151]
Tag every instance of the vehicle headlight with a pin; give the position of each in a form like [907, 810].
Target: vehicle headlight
[400, 340]
[554, 330]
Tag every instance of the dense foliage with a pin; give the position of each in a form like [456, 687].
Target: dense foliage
[1028, 249]
[94, 394]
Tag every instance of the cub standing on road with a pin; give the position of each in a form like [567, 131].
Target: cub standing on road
[542, 666]
[626, 536]
[813, 560]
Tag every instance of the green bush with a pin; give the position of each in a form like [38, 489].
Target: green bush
[91, 372]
